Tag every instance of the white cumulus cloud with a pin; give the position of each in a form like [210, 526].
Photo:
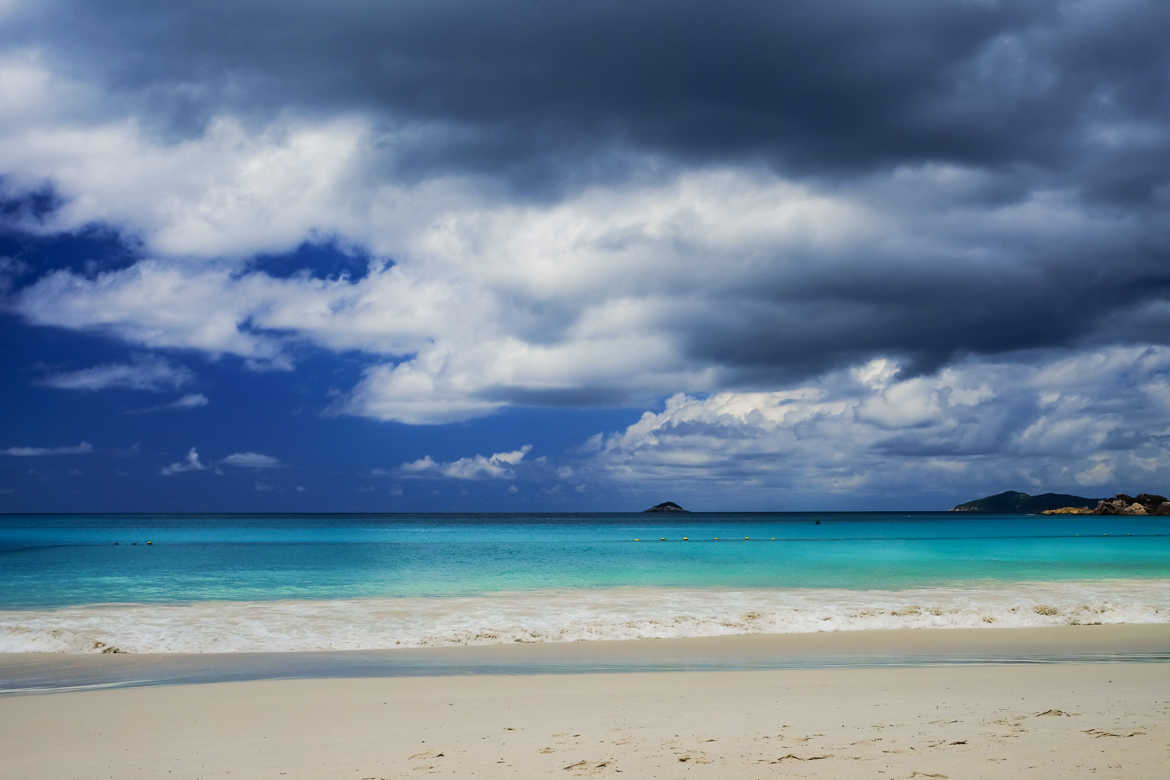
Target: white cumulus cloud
[251, 460]
[499, 465]
[189, 463]
[1054, 423]
[191, 401]
[553, 301]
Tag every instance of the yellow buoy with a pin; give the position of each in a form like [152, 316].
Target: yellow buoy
[636, 540]
[662, 538]
[773, 538]
[746, 538]
[716, 538]
[149, 542]
[686, 539]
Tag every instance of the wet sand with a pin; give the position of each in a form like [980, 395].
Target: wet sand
[739, 652]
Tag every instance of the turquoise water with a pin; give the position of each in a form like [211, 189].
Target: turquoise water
[217, 583]
[59, 560]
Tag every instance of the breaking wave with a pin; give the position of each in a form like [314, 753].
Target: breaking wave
[568, 615]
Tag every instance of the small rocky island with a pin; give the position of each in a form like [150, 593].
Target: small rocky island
[1015, 502]
[666, 506]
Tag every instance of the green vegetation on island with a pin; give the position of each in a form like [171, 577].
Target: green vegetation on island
[666, 506]
[1013, 502]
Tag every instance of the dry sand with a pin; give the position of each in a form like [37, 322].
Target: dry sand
[1066, 720]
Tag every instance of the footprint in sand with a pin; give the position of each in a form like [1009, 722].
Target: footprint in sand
[794, 757]
[1098, 733]
[588, 767]
[424, 755]
[692, 758]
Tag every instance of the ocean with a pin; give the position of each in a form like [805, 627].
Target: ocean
[274, 583]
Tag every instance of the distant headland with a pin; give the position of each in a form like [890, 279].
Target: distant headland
[1014, 502]
[666, 506]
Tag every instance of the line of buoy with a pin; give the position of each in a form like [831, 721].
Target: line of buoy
[683, 539]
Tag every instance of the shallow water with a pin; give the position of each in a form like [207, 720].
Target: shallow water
[213, 583]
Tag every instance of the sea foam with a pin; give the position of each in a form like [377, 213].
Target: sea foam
[568, 615]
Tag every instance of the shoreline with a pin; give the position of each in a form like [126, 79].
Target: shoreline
[571, 615]
[23, 673]
[1063, 720]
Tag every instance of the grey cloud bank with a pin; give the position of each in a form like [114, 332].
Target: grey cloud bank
[522, 90]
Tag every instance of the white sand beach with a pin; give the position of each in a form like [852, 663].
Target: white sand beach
[1018, 720]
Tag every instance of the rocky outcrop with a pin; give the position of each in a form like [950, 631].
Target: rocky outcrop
[1069, 510]
[1141, 504]
[666, 506]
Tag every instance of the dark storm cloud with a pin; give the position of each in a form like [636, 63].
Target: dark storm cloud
[929, 310]
[547, 95]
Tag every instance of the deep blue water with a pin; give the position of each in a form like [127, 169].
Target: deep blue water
[60, 560]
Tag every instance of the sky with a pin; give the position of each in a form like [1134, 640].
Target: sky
[531, 256]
